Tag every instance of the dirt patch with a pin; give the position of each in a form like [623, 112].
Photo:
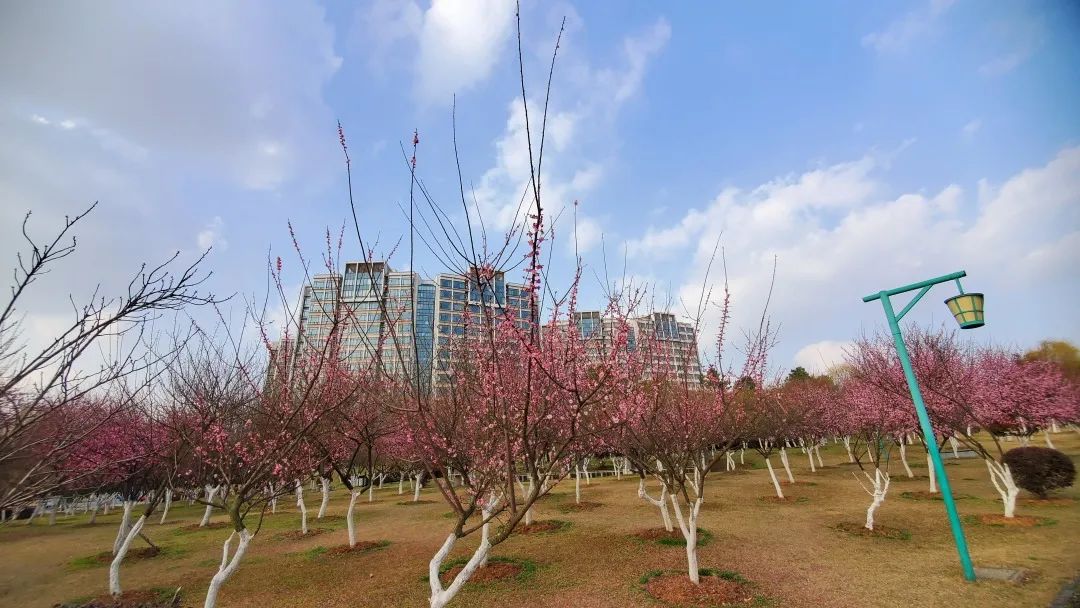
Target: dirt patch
[798, 483]
[106, 557]
[129, 599]
[409, 503]
[713, 591]
[878, 531]
[298, 535]
[330, 518]
[496, 571]
[577, 507]
[1019, 521]
[1061, 501]
[214, 525]
[658, 534]
[361, 547]
[541, 527]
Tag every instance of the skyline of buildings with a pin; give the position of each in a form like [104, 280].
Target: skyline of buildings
[373, 303]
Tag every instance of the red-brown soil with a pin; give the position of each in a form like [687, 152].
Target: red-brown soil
[711, 592]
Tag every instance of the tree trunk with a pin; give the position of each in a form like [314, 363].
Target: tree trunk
[211, 491]
[440, 596]
[688, 527]
[125, 525]
[227, 567]
[302, 506]
[121, 552]
[847, 446]
[903, 459]
[416, 489]
[349, 517]
[661, 504]
[933, 473]
[880, 483]
[955, 445]
[1049, 443]
[577, 484]
[810, 455]
[1002, 478]
[165, 507]
[775, 482]
[325, 482]
[400, 484]
[787, 466]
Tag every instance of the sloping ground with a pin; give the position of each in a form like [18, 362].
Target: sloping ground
[791, 552]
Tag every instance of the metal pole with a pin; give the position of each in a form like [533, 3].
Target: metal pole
[931, 440]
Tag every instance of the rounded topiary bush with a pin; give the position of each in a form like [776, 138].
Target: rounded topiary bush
[1040, 470]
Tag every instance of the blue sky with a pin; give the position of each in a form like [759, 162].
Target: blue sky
[864, 145]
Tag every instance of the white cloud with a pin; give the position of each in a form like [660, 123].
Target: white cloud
[899, 35]
[1003, 65]
[212, 235]
[205, 82]
[838, 238]
[41, 120]
[637, 50]
[819, 357]
[972, 127]
[460, 42]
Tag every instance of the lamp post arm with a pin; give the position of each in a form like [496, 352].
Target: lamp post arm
[920, 285]
[918, 296]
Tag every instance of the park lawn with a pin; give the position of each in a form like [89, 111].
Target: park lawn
[791, 551]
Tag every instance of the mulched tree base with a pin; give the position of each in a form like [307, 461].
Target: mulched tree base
[362, 546]
[214, 525]
[299, 535]
[878, 531]
[329, 518]
[577, 507]
[129, 599]
[106, 557]
[798, 483]
[714, 591]
[409, 503]
[925, 495]
[787, 500]
[543, 527]
[1000, 521]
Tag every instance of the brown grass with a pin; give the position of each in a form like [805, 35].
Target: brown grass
[879, 531]
[577, 507]
[790, 553]
[491, 572]
[655, 534]
[106, 557]
[1019, 521]
[299, 534]
[140, 598]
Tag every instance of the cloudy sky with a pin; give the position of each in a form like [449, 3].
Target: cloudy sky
[862, 146]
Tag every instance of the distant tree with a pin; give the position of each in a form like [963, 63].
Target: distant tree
[1059, 352]
[799, 373]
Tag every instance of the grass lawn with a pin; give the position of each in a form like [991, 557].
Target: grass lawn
[797, 553]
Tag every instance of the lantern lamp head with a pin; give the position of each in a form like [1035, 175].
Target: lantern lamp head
[967, 309]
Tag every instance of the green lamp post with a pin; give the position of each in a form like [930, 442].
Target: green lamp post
[967, 309]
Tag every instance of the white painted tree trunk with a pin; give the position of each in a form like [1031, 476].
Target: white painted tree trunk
[955, 445]
[689, 530]
[94, 509]
[125, 525]
[660, 504]
[742, 453]
[817, 452]
[440, 595]
[775, 481]
[932, 473]
[371, 490]
[302, 506]
[577, 484]
[52, 512]
[903, 460]
[273, 499]
[400, 485]
[880, 484]
[847, 446]
[228, 566]
[1002, 478]
[165, 507]
[325, 482]
[787, 466]
[381, 477]
[730, 461]
[211, 491]
[416, 489]
[121, 552]
[1049, 443]
[349, 517]
[810, 455]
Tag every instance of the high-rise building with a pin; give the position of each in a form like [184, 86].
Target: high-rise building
[372, 306]
[461, 302]
[669, 345]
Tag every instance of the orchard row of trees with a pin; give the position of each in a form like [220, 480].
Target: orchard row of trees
[230, 418]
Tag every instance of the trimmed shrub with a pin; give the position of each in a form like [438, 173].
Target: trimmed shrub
[1040, 470]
